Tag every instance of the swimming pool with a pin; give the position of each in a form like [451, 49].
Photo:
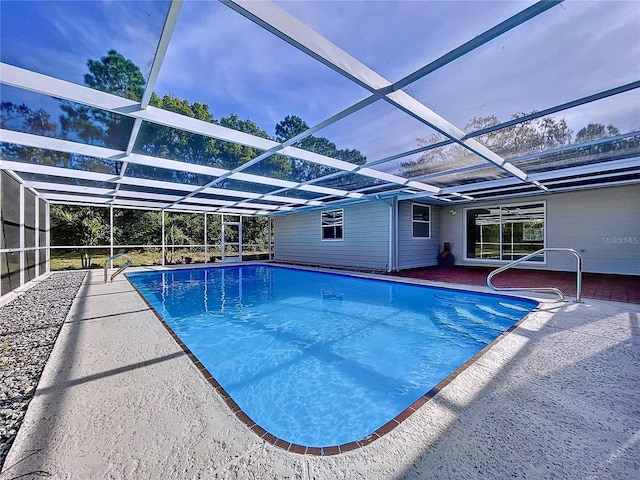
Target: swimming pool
[323, 359]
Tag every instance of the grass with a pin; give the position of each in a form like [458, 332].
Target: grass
[71, 260]
[65, 260]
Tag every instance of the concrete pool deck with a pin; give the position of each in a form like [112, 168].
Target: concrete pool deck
[557, 397]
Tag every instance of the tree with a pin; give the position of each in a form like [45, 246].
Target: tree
[531, 136]
[232, 155]
[596, 131]
[80, 226]
[301, 171]
[24, 119]
[182, 229]
[536, 135]
[112, 74]
[37, 122]
[137, 227]
[166, 142]
[117, 75]
[255, 232]
[174, 236]
[291, 126]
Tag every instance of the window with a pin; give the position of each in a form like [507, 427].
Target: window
[421, 221]
[505, 232]
[332, 223]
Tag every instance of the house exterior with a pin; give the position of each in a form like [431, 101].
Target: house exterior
[603, 224]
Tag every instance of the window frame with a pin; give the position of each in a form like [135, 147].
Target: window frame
[414, 221]
[501, 206]
[334, 227]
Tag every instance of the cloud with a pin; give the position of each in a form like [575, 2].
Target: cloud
[396, 38]
[566, 53]
[378, 131]
[218, 57]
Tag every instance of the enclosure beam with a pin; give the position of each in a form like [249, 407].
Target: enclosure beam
[163, 238]
[278, 22]
[36, 240]
[222, 247]
[2, 264]
[206, 256]
[111, 233]
[21, 230]
[47, 235]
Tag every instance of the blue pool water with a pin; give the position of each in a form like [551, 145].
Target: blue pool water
[324, 359]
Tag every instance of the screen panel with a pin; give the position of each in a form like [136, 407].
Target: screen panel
[426, 30]
[60, 39]
[551, 59]
[10, 271]
[250, 73]
[10, 212]
[29, 219]
[52, 158]
[33, 113]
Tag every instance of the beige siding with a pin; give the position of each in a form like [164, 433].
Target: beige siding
[417, 252]
[602, 224]
[453, 230]
[365, 243]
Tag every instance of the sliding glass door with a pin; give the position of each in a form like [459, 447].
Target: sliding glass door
[505, 232]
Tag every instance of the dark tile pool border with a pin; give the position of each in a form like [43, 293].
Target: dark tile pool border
[334, 449]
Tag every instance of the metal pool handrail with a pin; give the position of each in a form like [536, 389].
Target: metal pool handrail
[542, 289]
[121, 269]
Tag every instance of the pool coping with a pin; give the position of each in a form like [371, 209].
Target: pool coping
[333, 449]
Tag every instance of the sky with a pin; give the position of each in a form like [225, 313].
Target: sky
[218, 57]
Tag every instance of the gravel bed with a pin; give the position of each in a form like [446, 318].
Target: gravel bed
[29, 326]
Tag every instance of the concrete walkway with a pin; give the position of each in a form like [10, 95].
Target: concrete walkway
[559, 397]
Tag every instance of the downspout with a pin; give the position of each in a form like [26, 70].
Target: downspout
[270, 256]
[396, 237]
[392, 239]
